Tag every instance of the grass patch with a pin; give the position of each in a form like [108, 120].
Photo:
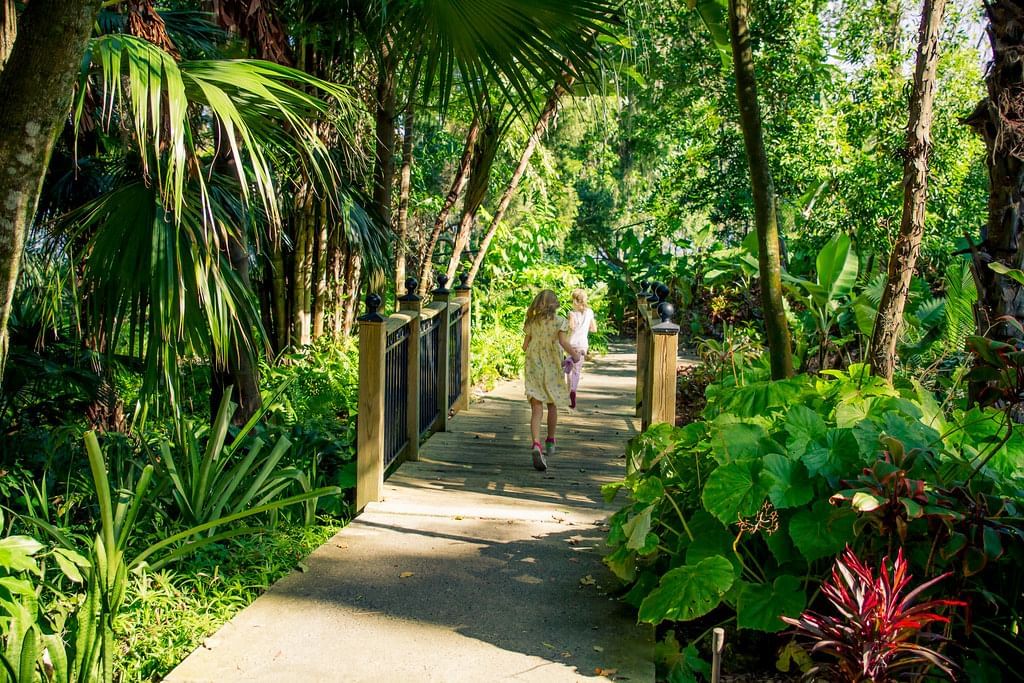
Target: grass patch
[169, 613]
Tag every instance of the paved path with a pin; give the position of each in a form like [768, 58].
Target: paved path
[474, 568]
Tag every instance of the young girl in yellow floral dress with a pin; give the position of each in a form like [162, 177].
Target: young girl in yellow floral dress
[546, 337]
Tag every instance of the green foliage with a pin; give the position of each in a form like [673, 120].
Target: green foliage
[742, 511]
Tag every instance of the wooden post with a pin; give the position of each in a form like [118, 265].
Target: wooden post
[413, 305]
[443, 295]
[664, 354]
[370, 430]
[641, 345]
[465, 292]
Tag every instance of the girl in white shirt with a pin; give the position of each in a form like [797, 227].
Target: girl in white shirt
[581, 324]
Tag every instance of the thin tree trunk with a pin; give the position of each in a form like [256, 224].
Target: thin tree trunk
[353, 271]
[404, 193]
[301, 268]
[37, 83]
[458, 183]
[8, 29]
[384, 155]
[915, 193]
[476, 188]
[543, 121]
[776, 329]
[320, 289]
[335, 282]
[279, 295]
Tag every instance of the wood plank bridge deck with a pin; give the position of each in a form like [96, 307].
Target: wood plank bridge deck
[474, 567]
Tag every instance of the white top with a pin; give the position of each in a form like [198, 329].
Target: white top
[579, 324]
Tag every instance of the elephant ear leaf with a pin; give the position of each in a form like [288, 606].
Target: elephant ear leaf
[689, 591]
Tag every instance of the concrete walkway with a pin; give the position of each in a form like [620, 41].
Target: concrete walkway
[474, 568]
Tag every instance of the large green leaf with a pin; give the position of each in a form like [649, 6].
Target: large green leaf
[837, 268]
[16, 553]
[760, 605]
[734, 491]
[689, 592]
[710, 538]
[837, 455]
[734, 440]
[637, 528]
[822, 531]
[786, 481]
[803, 426]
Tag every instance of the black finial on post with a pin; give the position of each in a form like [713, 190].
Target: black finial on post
[662, 292]
[652, 298]
[442, 282]
[373, 304]
[411, 284]
[644, 284]
[666, 326]
[463, 283]
[666, 311]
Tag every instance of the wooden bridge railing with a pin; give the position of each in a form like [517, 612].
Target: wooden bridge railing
[657, 349]
[414, 373]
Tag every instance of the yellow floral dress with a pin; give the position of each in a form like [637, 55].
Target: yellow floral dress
[545, 380]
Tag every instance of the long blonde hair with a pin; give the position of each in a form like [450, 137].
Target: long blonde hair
[544, 307]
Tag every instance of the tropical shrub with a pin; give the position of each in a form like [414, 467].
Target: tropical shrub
[736, 517]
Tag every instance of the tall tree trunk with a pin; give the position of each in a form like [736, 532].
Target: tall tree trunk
[476, 188]
[320, 271]
[543, 121]
[999, 119]
[37, 83]
[765, 218]
[335, 281]
[915, 192]
[8, 29]
[302, 268]
[384, 154]
[404, 194]
[426, 255]
[353, 273]
[279, 294]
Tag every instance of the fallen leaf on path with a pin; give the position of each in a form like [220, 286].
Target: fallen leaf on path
[588, 580]
[608, 673]
[302, 567]
[343, 546]
[598, 648]
[565, 655]
[548, 646]
[405, 575]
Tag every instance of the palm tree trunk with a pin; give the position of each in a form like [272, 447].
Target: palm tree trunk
[353, 272]
[301, 268]
[996, 119]
[320, 280]
[765, 218]
[543, 121]
[404, 194]
[426, 255]
[384, 155]
[279, 295]
[37, 83]
[915, 192]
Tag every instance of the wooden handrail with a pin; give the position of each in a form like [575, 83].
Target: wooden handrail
[402, 390]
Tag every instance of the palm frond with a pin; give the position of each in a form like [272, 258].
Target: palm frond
[174, 294]
[511, 44]
[961, 295]
[250, 111]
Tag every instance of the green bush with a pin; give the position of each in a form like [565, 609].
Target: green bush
[736, 517]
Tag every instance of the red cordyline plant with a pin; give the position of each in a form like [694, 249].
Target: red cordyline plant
[877, 634]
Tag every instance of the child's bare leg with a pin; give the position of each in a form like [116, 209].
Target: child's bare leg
[552, 420]
[536, 412]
